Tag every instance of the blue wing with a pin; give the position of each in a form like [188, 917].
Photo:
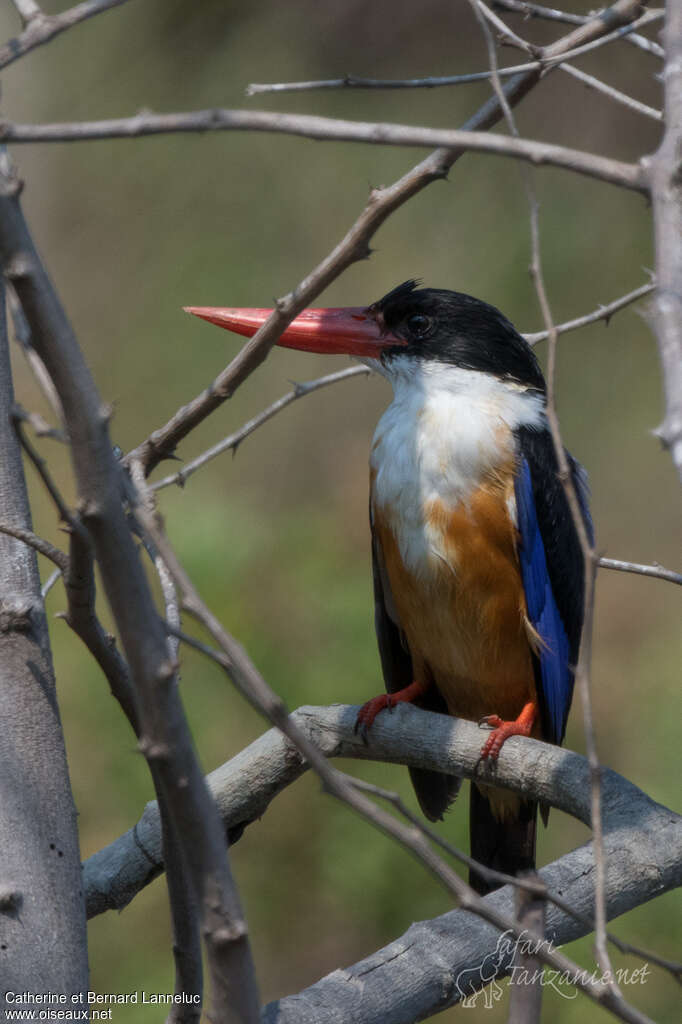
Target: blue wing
[552, 573]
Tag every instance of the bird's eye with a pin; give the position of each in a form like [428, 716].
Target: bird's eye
[418, 324]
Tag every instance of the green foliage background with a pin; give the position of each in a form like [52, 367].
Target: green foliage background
[276, 538]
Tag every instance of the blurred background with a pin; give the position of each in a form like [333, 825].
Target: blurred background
[276, 537]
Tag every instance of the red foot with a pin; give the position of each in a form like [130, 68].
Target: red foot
[369, 711]
[503, 730]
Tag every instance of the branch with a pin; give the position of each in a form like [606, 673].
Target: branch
[644, 844]
[327, 129]
[353, 247]
[532, 10]
[615, 94]
[655, 570]
[37, 543]
[602, 313]
[666, 198]
[41, 28]
[232, 441]
[165, 738]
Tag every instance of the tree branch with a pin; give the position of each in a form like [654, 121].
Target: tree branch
[532, 10]
[657, 571]
[41, 28]
[644, 841]
[665, 174]
[327, 129]
[232, 441]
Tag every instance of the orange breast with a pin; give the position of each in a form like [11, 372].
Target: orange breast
[464, 612]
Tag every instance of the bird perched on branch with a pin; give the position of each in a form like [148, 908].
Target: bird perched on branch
[478, 570]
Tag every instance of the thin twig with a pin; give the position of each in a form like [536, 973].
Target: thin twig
[41, 28]
[22, 335]
[533, 10]
[327, 129]
[27, 10]
[655, 570]
[39, 544]
[232, 441]
[615, 94]
[50, 582]
[40, 426]
[601, 313]
[428, 82]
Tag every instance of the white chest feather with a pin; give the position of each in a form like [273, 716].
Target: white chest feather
[446, 430]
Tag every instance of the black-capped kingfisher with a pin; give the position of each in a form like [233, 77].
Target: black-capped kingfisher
[478, 570]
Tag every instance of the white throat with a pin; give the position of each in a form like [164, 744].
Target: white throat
[445, 429]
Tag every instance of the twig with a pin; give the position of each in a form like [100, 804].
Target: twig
[654, 570]
[327, 129]
[39, 544]
[602, 313]
[22, 335]
[27, 10]
[40, 426]
[357, 82]
[43, 472]
[353, 247]
[232, 441]
[41, 28]
[431, 82]
[49, 583]
[533, 10]
[615, 94]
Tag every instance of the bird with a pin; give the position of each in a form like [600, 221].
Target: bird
[478, 569]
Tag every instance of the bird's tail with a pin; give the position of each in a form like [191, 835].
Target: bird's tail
[504, 842]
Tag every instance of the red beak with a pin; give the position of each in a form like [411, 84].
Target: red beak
[352, 330]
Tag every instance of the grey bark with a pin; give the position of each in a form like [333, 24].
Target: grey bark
[665, 174]
[421, 973]
[42, 910]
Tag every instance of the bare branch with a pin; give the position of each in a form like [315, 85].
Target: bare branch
[666, 197]
[41, 28]
[22, 335]
[232, 441]
[327, 129]
[357, 82]
[27, 10]
[655, 570]
[39, 544]
[639, 832]
[532, 10]
[615, 94]
[50, 582]
[602, 313]
[40, 426]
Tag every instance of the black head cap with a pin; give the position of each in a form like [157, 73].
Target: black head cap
[450, 327]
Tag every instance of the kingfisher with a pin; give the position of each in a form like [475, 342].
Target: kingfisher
[477, 565]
